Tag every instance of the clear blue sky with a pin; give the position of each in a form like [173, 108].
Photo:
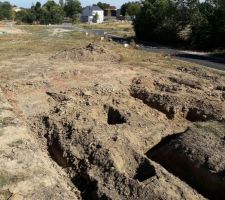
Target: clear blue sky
[27, 3]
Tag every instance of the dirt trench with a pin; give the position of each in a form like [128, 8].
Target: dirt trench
[192, 157]
[98, 135]
[102, 151]
[186, 99]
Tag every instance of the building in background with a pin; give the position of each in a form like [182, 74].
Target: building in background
[92, 14]
[16, 9]
[110, 11]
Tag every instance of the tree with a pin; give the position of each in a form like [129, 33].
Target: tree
[72, 9]
[6, 11]
[96, 18]
[25, 16]
[130, 9]
[156, 21]
[51, 13]
[37, 10]
[133, 9]
[163, 21]
[103, 6]
[124, 8]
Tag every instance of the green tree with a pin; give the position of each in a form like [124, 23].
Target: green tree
[6, 11]
[130, 9]
[51, 13]
[73, 9]
[124, 8]
[37, 9]
[156, 21]
[202, 22]
[133, 9]
[25, 16]
[103, 6]
[96, 18]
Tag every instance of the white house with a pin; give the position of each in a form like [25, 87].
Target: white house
[92, 14]
[16, 9]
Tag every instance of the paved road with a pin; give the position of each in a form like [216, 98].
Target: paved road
[189, 56]
[193, 57]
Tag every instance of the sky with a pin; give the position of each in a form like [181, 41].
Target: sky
[28, 3]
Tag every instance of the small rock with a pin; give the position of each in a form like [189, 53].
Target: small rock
[223, 95]
[87, 93]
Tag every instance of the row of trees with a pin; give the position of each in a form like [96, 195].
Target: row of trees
[49, 13]
[199, 24]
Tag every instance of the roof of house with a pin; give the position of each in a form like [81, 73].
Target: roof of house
[94, 8]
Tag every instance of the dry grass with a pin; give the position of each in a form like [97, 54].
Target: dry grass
[37, 40]
[40, 40]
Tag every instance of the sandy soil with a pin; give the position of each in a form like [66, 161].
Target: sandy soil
[10, 29]
[100, 127]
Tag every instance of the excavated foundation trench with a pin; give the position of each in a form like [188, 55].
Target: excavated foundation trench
[78, 169]
[77, 144]
[171, 157]
[79, 177]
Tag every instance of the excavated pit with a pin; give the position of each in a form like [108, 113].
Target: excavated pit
[185, 156]
[86, 186]
[144, 171]
[102, 158]
[115, 117]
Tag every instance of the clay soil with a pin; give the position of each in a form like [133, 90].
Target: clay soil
[105, 122]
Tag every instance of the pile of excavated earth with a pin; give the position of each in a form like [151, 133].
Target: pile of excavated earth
[92, 52]
[109, 132]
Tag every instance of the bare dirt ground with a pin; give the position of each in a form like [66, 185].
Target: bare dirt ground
[9, 28]
[87, 119]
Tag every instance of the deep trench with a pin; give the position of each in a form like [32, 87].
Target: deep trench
[201, 179]
[82, 181]
[196, 115]
[155, 101]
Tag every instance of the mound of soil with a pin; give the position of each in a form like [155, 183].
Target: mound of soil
[196, 156]
[91, 52]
